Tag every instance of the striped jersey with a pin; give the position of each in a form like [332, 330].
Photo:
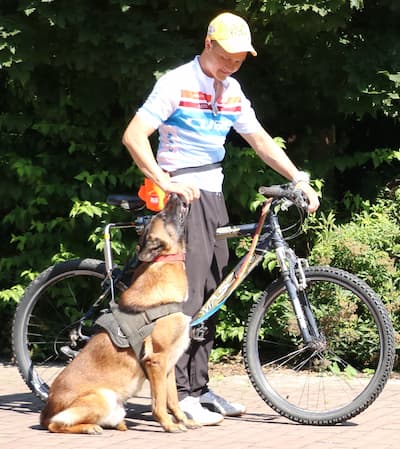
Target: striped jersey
[192, 123]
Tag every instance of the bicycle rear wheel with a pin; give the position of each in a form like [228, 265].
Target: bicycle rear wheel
[340, 379]
[48, 329]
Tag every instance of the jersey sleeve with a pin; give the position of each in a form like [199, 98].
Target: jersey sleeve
[161, 103]
[246, 122]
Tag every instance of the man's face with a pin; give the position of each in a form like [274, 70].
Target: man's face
[220, 63]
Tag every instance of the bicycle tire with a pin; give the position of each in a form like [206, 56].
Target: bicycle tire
[44, 336]
[333, 385]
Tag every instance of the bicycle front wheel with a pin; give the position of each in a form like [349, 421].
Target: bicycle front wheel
[50, 324]
[336, 380]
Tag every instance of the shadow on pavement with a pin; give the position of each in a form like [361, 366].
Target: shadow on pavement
[277, 419]
[21, 403]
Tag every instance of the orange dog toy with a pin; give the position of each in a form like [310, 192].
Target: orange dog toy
[154, 197]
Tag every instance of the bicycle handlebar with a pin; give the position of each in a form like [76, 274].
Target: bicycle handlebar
[286, 191]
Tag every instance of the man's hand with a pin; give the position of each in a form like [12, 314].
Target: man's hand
[188, 191]
[311, 195]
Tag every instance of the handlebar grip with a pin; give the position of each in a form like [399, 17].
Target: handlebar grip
[286, 191]
[273, 192]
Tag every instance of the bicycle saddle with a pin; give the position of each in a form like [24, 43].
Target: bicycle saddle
[128, 202]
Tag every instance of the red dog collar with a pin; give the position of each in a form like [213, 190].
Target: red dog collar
[170, 258]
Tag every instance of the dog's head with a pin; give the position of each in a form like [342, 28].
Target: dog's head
[165, 234]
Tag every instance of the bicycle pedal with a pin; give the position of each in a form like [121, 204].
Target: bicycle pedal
[67, 351]
[199, 333]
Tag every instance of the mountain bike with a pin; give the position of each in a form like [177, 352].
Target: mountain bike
[318, 343]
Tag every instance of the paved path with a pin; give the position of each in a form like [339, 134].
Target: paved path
[377, 428]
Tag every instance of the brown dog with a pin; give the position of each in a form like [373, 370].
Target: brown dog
[90, 392]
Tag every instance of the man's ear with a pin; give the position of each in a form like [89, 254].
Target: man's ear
[153, 246]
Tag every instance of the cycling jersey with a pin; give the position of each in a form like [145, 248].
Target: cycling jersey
[193, 124]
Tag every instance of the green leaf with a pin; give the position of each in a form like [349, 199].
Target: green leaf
[13, 294]
[357, 4]
[85, 208]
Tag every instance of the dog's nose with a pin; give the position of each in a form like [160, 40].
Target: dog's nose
[174, 201]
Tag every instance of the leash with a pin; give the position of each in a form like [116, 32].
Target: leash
[243, 267]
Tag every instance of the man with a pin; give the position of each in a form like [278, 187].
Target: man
[193, 107]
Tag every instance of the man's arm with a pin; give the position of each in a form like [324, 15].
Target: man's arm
[275, 157]
[136, 140]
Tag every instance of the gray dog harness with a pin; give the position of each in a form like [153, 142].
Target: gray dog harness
[131, 328]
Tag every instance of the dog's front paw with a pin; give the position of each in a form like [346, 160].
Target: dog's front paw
[175, 427]
[191, 424]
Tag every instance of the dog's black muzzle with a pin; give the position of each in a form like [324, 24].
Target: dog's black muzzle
[175, 211]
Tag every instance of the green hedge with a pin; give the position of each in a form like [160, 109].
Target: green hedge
[73, 73]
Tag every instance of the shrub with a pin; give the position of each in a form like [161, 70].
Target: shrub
[368, 246]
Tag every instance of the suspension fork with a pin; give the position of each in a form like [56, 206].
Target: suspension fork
[292, 271]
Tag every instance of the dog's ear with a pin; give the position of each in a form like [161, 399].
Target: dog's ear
[153, 246]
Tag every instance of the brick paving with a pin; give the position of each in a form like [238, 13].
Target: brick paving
[376, 428]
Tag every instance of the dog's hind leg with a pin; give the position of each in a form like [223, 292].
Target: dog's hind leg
[90, 429]
[89, 414]
[75, 419]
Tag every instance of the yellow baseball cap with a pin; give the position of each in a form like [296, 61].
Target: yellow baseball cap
[231, 32]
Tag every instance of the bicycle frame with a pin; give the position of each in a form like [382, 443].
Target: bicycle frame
[291, 268]
[267, 236]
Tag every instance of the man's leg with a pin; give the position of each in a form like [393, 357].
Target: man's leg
[204, 217]
[205, 262]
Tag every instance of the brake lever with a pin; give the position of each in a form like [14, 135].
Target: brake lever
[300, 199]
[285, 204]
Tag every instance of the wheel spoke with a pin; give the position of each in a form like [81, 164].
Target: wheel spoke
[321, 384]
[45, 332]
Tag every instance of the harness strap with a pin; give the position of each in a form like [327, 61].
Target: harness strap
[200, 168]
[157, 312]
[136, 326]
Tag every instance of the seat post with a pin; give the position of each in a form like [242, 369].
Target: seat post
[107, 249]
